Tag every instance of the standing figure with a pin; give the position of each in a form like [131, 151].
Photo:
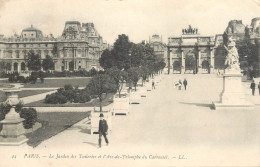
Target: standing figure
[259, 87]
[180, 83]
[252, 86]
[153, 85]
[185, 83]
[102, 129]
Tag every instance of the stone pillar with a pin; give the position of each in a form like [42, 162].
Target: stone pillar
[199, 61]
[74, 52]
[66, 65]
[13, 54]
[41, 65]
[75, 65]
[18, 67]
[12, 66]
[168, 58]
[182, 62]
[211, 60]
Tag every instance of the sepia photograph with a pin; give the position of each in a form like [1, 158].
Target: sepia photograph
[145, 83]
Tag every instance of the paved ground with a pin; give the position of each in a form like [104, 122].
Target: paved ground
[171, 123]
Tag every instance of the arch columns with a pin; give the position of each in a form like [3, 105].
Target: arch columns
[212, 60]
[182, 62]
[199, 61]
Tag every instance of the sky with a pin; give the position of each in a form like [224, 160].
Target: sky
[138, 19]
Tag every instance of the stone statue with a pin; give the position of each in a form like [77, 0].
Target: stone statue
[232, 59]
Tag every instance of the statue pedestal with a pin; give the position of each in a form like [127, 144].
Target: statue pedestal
[12, 133]
[232, 96]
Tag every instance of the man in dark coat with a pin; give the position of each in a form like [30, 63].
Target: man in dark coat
[102, 129]
[185, 83]
[153, 85]
[252, 86]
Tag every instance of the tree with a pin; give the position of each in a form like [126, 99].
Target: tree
[107, 60]
[134, 75]
[48, 63]
[3, 66]
[34, 61]
[119, 55]
[247, 54]
[121, 52]
[119, 76]
[101, 85]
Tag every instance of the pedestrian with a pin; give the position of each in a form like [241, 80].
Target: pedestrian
[218, 73]
[252, 86]
[102, 130]
[153, 85]
[185, 83]
[180, 83]
[259, 87]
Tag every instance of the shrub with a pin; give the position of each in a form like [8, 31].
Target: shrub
[30, 116]
[68, 87]
[68, 94]
[55, 98]
[12, 77]
[33, 79]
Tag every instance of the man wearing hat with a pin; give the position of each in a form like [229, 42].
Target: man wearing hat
[102, 129]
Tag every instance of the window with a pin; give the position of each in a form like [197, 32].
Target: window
[79, 61]
[31, 34]
[24, 45]
[17, 45]
[46, 45]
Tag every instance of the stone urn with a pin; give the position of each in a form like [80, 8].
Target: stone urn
[13, 131]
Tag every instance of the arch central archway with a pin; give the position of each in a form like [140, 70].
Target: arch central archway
[176, 66]
[205, 66]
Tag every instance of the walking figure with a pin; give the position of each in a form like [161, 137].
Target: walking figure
[153, 86]
[102, 130]
[180, 83]
[252, 86]
[185, 83]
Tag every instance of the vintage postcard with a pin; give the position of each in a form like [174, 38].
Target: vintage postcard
[129, 83]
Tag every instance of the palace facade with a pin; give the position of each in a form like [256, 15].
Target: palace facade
[160, 48]
[79, 47]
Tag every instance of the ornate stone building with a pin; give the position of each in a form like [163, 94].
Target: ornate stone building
[191, 52]
[79, 47]
[253, 34]
[160, 48]
[241, 33]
